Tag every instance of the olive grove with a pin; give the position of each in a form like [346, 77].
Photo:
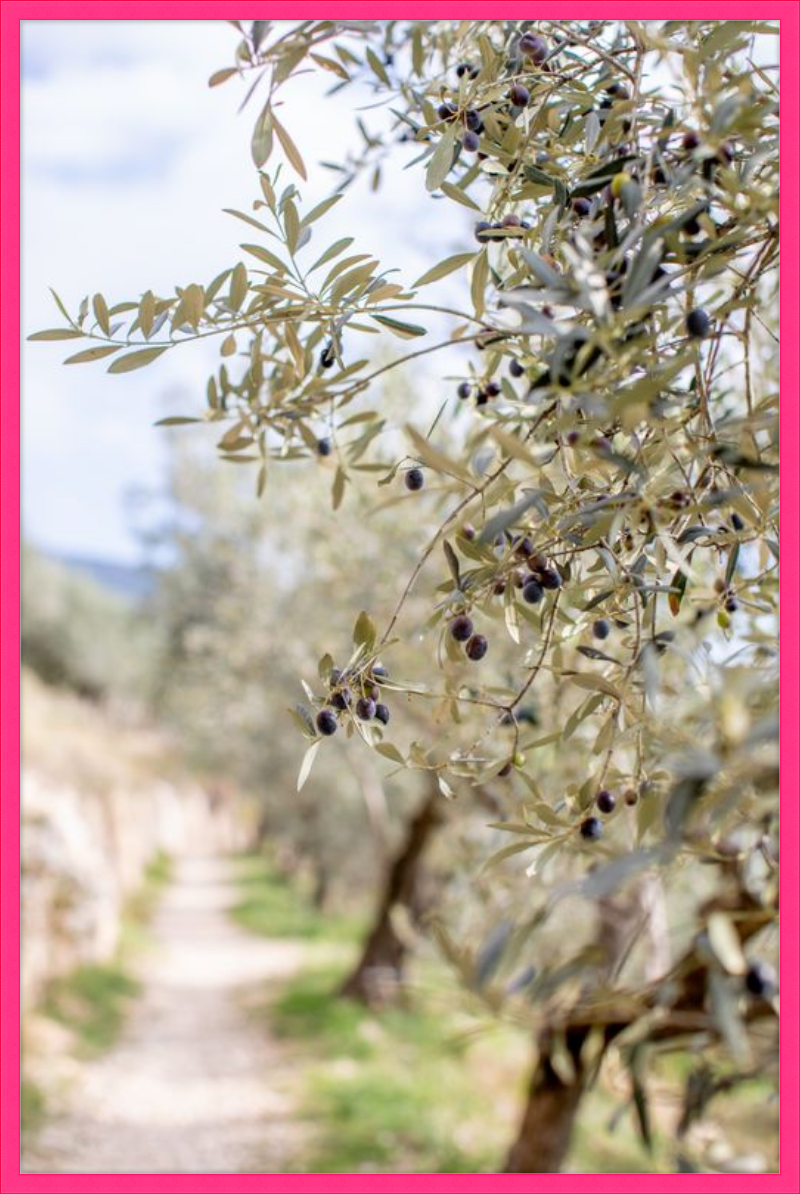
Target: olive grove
[589, 519]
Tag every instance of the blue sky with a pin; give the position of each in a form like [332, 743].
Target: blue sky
[127, 161]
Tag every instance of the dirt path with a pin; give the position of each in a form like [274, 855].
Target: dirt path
[195, 1084]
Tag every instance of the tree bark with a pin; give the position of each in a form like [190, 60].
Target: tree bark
[319, 893]
[554, 1097]
[553, 1100]
[380, 968]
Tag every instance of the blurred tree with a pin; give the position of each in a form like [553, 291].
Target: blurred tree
[604, 487]
[77, 634]
[236, 600]
[379, 969]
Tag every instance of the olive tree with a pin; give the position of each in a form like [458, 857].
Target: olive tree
[235, 598]
[600, 483]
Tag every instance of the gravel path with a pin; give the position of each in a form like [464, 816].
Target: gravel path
[195, 1084]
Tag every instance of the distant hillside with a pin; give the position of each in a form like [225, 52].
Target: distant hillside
[131, 581]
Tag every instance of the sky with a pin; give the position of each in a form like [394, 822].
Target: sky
[128, 159]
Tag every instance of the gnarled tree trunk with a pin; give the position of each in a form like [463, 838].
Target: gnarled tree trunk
[554, 1097]
[380, 968]
[553, 1100]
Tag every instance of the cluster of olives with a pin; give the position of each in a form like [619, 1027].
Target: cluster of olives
[711, 159]
[483, 392]
[469, 69]
[462, 630]
[591, 828]
[510, 224]
[534, 579]
[691, 142]
[541, 576]
[724, 154]
[470, 117]
[357, 694]
[533, 48]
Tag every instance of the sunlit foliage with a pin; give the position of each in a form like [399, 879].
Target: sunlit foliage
[601, 580]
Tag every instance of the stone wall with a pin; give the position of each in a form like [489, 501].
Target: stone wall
[85, 852]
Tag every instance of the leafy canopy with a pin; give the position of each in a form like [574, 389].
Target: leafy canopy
[603, 472]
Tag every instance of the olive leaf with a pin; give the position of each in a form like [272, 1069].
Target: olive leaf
[441, 160]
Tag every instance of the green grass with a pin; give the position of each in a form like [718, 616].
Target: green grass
[388, 1093]
[383, 1093]
[92, 1000]
[309, 1010]
[408, 1091]
[142, 904]
[607, 1141]
[414, 1089]
[32, 1107]
[271, 907]
[405, 1090]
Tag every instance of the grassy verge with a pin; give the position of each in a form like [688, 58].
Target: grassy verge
[92, 1001]
[32, 1107]
[422, 1089]
[388, 1092]
[427, 1088]
[271, 907]
[394, 1093]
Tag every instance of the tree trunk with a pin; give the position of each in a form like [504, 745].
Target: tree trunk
[319, 893]
[380, 968]
[553, 1100]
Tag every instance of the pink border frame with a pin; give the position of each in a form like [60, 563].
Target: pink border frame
[11, 14]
